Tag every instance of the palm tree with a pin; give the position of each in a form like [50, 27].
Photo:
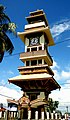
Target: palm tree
[5, 26]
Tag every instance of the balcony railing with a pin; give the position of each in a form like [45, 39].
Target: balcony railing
[34, 55]
[14, 115]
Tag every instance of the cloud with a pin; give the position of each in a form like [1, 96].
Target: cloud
[10, 72]
[68, 67]
[63, 96]
[57, 75]
[60, 27]
[6, 73]
[60, 74]
[7, 93]
[55, 65]
[68, 46]
[65, 74]
[2, 82]
[56, 69]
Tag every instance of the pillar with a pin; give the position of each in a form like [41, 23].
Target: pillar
[56, 116]
[48, 116]
[51, 115]
[42, 114]
[36, 115]
[29, 114]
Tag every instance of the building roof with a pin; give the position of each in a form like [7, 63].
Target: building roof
[12, 101]
[38, 15]
[34, 103]
[35, 69]
[41, 81]
[45, 30]
[2, 109]
[23, 104]
[37, 102]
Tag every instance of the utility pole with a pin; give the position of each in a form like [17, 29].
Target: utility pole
[67, 109]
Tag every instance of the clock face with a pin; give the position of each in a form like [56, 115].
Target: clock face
[34, 41]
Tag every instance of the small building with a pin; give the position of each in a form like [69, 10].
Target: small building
[12, 105]
[2, 110]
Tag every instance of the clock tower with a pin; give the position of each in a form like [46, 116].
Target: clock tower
[36, 77]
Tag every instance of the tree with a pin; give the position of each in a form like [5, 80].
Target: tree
[52, 105]
[5, 26]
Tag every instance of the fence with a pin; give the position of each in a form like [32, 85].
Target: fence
[52, 116]
[9, 115]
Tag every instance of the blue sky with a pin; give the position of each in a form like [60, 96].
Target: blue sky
[58, 16]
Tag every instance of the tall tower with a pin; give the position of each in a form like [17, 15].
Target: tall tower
[36, 77]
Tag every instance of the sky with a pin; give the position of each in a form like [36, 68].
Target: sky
[58, 16]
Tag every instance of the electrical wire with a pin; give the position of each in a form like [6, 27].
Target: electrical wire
[62, 41]
[22, 52]
[6, 96]
[18, 91]
[13, 54]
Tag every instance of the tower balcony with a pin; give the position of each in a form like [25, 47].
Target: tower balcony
[37, 55]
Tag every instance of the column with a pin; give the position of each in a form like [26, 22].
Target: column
[36, 115]
[42, 114]
[56, 116]
[29, 114]
[48, 116]
[51, 115]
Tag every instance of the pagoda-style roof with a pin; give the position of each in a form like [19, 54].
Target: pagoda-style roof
[33, 104]
[2, 109]
[37, 23]
[38, 15]
[35, 69]
[42, 82]
[38, 102]
[12, 101]
[45, 30]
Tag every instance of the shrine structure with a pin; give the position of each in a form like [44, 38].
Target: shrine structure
[36, 77]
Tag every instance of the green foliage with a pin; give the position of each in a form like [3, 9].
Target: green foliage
[5, 26]
[52, 105]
